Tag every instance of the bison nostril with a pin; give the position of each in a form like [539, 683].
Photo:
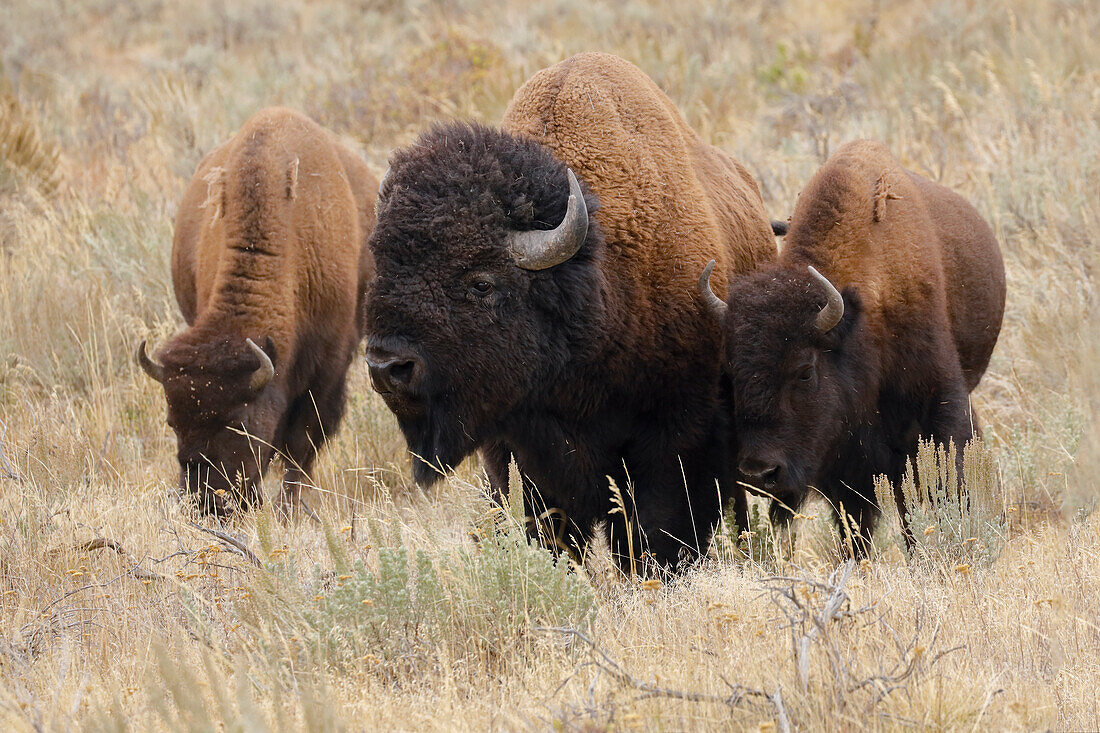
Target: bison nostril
[767, 471]
[391, 372]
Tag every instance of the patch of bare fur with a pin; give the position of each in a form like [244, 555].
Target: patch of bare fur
[215, 192]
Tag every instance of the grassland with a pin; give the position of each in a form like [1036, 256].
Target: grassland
[116, 612]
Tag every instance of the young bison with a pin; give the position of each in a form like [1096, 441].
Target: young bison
[268, 265]
[536, 298]
[870, 332]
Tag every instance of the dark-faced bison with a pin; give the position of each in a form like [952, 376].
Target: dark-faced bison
[536, 298]
[869, 333]
[268, 263]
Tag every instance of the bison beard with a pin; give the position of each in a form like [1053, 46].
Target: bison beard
[472, 350]
[436, 440]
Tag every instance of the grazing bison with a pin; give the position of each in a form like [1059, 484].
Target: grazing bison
[870, 332]
[535, 298]
[269, 262]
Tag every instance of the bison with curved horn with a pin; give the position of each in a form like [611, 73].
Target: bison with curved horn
[535, 299]
[869, 333]
[269, 264]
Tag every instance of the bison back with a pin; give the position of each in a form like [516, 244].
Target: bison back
[668, 201]
[269, 236]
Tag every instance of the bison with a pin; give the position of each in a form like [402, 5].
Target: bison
[869, 333]
[535, 299]
[269, 265]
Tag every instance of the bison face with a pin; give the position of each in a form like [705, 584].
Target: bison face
[793, 365]
[225, 411]
[482, 286]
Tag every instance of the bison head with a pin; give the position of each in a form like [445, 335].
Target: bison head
[485, 284]
[225, 411]
[796, 365]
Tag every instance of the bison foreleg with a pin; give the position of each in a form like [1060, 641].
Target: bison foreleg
[496, 457]
[313, 418]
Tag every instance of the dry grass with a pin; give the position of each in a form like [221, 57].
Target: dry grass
[116, 612]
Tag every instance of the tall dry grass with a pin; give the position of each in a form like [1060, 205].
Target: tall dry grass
[117, 613]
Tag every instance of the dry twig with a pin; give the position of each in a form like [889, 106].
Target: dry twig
[106, 543]
[741, 695]
[232, 543]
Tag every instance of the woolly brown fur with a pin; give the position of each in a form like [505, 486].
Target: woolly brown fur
[269, 245]
[604, 365]
[923, 285]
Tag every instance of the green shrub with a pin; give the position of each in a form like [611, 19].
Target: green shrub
[404, 609]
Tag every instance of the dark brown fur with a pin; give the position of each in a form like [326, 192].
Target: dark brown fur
[923, 284]
[604, 365]
[269, 245]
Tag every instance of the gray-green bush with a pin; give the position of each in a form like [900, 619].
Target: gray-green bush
[950, 527]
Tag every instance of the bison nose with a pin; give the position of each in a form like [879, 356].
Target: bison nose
[765, 471]
[393, 371]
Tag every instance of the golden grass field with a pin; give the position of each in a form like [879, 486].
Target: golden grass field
[117, 613]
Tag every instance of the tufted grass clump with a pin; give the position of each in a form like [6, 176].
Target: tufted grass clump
[950, 527]
[762, 543]
[26, 158]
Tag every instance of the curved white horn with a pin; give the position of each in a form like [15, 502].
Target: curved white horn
[539, 249]
[833, 311]
[716, 305]
[263, 375]
[150, 367]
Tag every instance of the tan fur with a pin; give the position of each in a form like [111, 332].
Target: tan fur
[624, 137]
[334, 208]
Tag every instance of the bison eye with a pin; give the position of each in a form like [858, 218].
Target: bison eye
[481, 287]
[806, 373]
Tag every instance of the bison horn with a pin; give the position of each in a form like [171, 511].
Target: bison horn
[381, 192]
[716, 305]
[833, 311]
[263, 375]
[538, 249]
[150, 367]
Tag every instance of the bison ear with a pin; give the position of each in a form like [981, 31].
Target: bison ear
[269, 349]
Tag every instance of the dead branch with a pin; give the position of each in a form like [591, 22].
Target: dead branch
[81, 589]
[232, 543]
[780, 711]
[50, 621]
[106, 543]
[800, 614]
[96, 543]
[741, 695]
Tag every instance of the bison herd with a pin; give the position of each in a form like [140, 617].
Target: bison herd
[543, 293]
